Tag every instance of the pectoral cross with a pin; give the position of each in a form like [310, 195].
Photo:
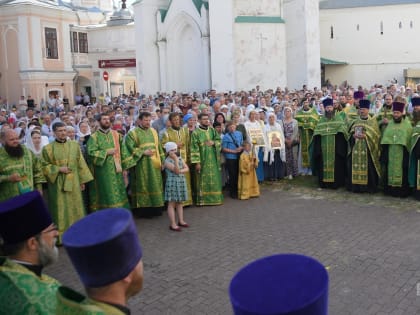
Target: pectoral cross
[261, 38]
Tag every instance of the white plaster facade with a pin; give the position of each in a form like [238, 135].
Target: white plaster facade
[187, 45]
[371, 56]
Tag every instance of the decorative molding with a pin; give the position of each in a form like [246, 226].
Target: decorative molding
[259, 19]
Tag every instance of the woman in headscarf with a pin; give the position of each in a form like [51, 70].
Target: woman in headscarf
[275, 153]
[255, 134]
[291, 135]
[35, 141]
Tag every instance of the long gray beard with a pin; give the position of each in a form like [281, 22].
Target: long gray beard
[46, 254]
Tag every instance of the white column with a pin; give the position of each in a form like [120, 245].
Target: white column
[303, 43]
[36, 34]
[23, 42]
[205, 44]
[221, 21]
[162, 64]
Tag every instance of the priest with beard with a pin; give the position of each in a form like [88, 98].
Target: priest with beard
[20, 169]
[363, 163]
[145, 163]
[105, 152]
[395, 153]
[28, 237]
[414, 170]
[329, 149]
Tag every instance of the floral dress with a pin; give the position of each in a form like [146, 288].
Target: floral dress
[175, 186]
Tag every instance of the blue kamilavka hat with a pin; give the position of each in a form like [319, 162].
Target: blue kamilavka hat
[104, 246]
[284, 284]
[327, 102]
[398, 107]
[415, 101]
[22, 217]
[364, 104]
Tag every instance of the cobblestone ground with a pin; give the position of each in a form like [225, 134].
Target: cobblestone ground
[369, 244]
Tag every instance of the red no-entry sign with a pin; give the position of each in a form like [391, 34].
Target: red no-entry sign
[105, 76]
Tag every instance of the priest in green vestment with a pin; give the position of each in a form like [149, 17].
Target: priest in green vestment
[20, 169]
[181, 136]
[205, 156]
[28, 243]
[395, 153]
[307, 119]
[145, 162]
[105, 151]
[109, 283]
[363, 164]
[414, 170]
[385, 113]
[66, 172]
[329, 149]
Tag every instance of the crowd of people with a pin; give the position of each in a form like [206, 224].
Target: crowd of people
[113, 150]
[139, 153]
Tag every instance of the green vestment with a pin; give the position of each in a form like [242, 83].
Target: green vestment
[363, 147]
[181, 136]
[22, 292]
[351, 114]
[29, 167]
[209, 181]
[307, 121]
[64, 194]
[414, 176]
[70, 302]
[107, 190]
[397, 136]
[145, 171]
[327, 129]
[384, 112]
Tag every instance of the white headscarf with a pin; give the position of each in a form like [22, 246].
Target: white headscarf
[169, 146]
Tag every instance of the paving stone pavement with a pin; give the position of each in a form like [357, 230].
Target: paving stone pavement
[370, 247]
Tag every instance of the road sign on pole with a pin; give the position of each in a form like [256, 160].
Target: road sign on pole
[105, 75]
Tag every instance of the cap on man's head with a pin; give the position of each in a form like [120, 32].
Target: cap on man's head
[22, 217]
[364, 104]
[287, 284]
[104, 246]
[327, 102]
[415, 101]
[398, 107]
[358, 95]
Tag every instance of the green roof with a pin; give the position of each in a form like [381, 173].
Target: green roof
[258, 19]
[326, 61]
[163, 14]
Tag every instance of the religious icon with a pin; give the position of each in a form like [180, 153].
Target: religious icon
[257, 137]
[275, 139]
[358, 131]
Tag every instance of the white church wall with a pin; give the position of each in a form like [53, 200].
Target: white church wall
[260, 55]
[303, 48]
[257, 7]
[147, 57]
[372, 57]
[259, 44]
[184, 53]
[222, 45]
